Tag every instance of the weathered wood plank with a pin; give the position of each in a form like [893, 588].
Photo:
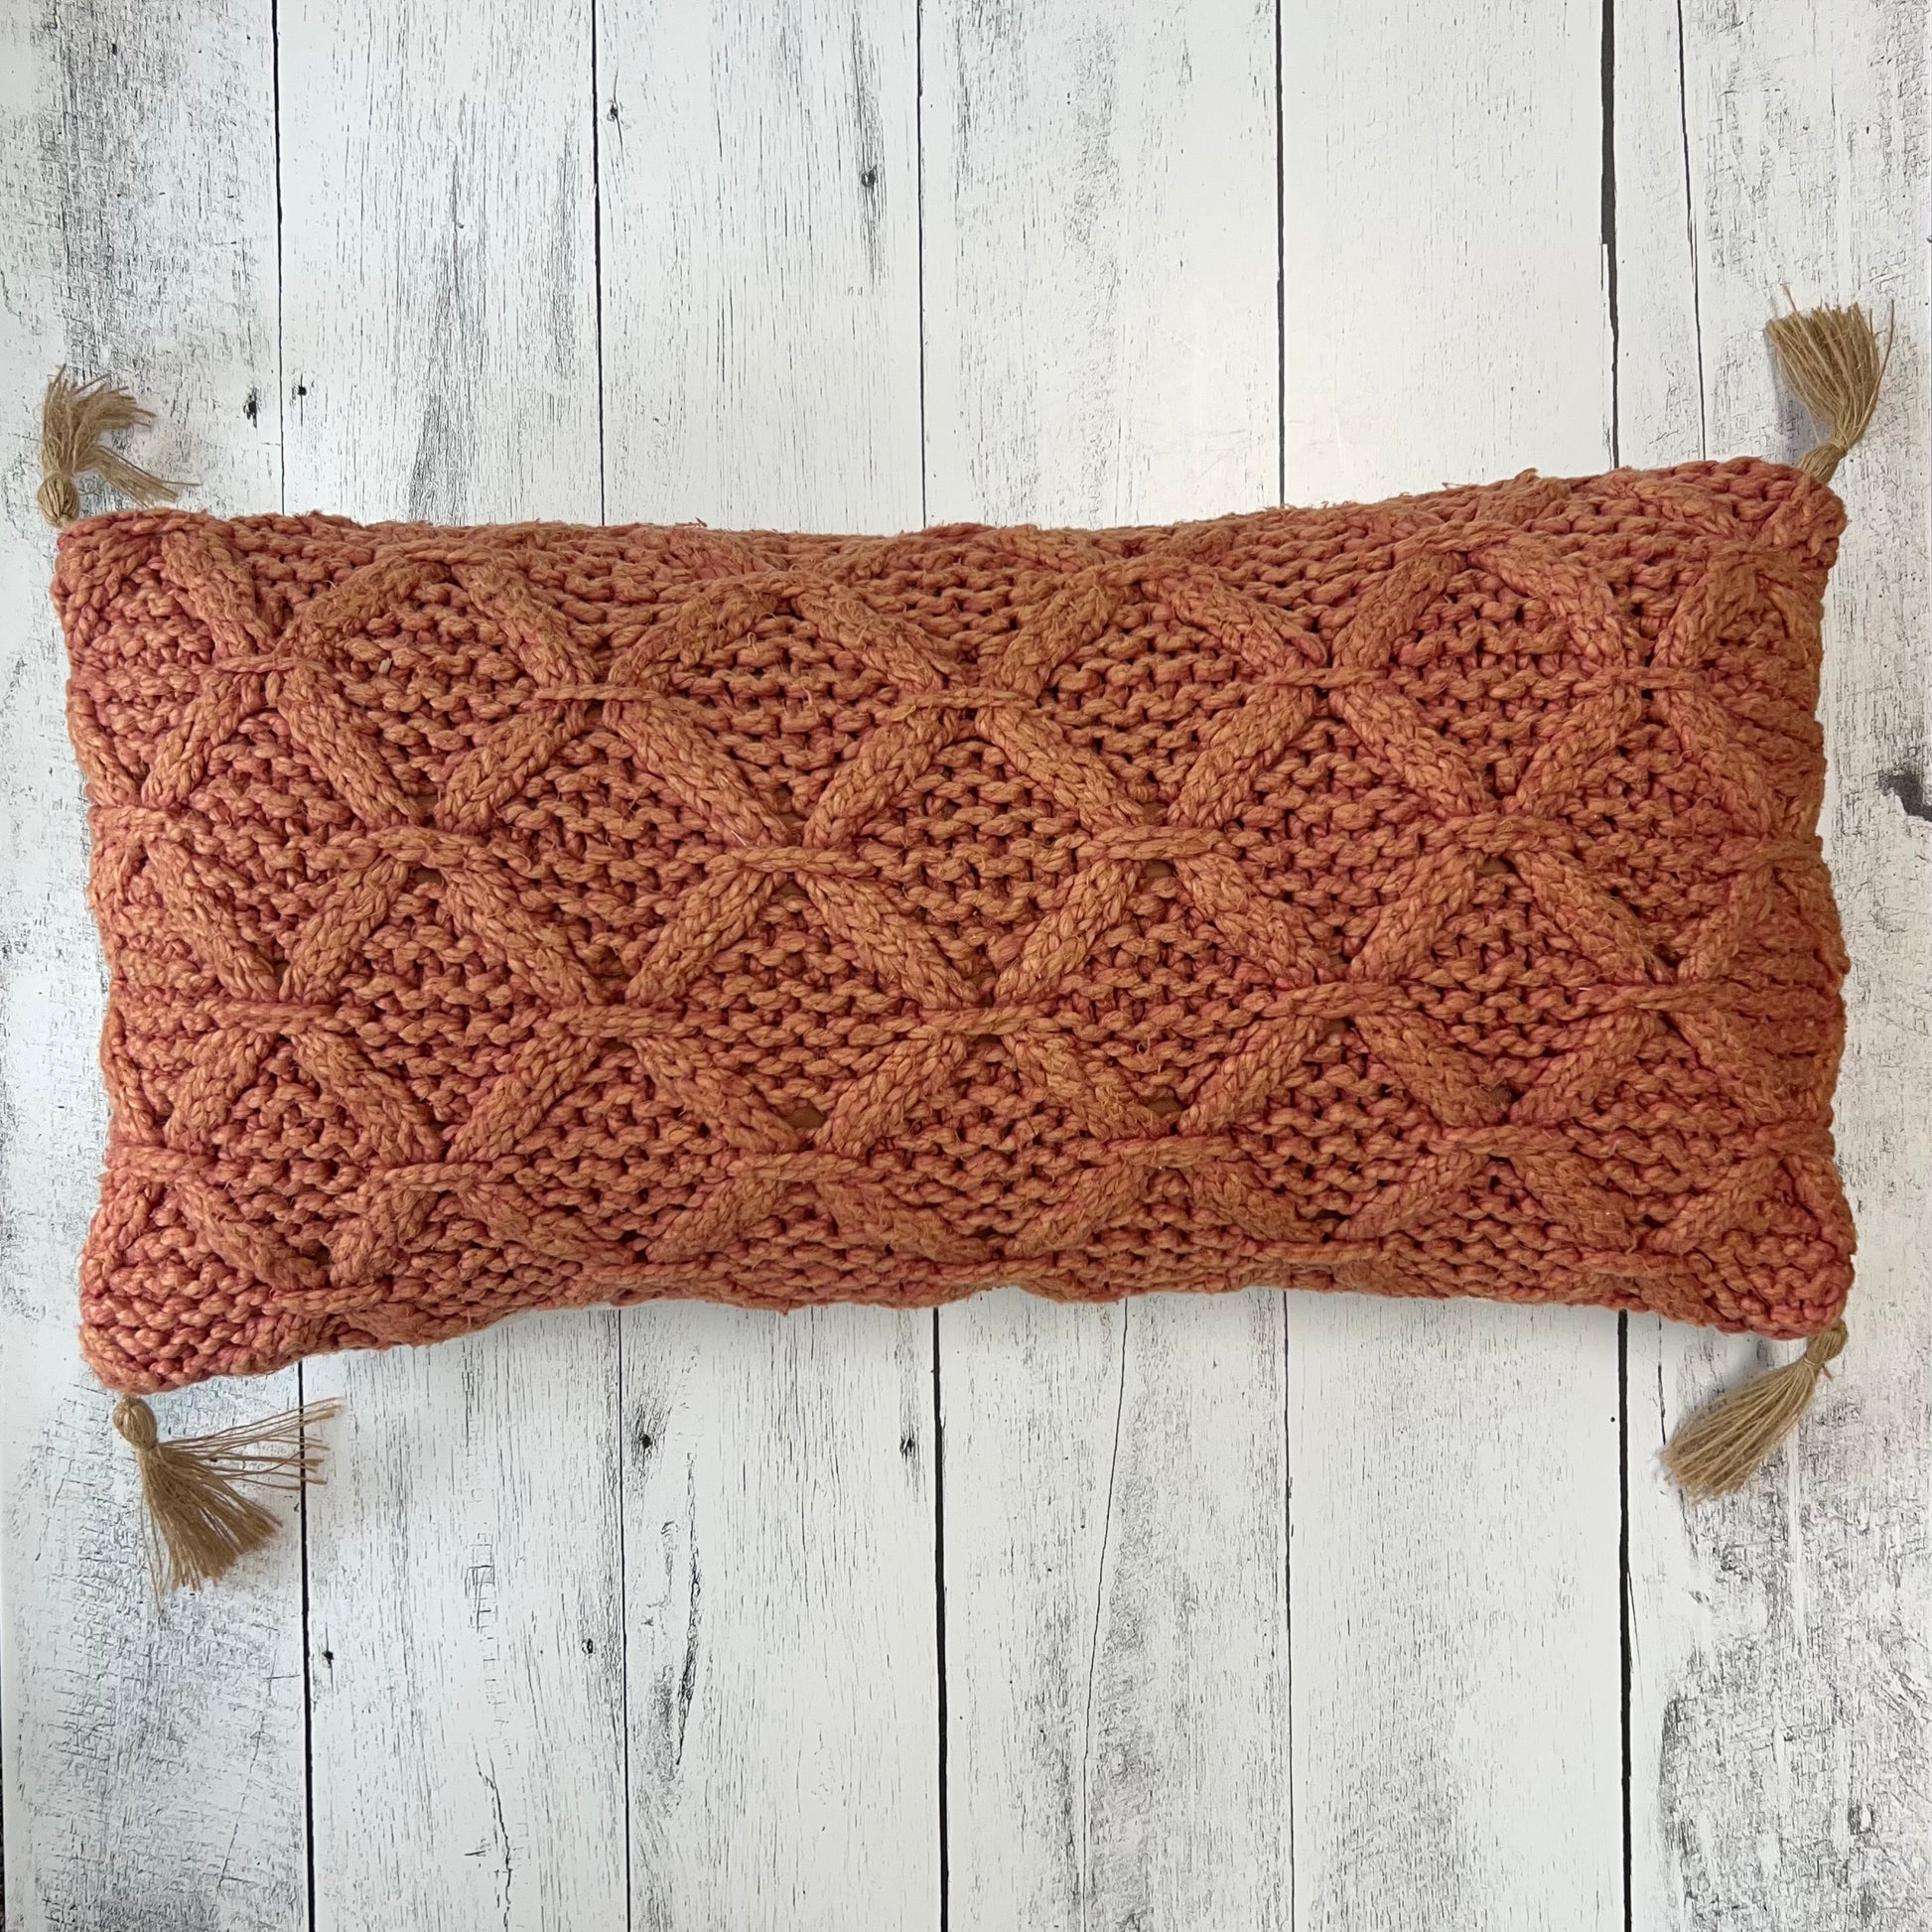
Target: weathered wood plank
[1442, 275]
[759, 191]
[1100, 261]
[783, 1656]
[761, 263]
[1455, 1469]
[1455, 1609]
[1101, 256]
[1116, 1644]
[466, 1593]
[466, 1635]
[152, 1753]
[1780, 1761]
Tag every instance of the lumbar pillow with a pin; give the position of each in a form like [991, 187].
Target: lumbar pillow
[1422, 899]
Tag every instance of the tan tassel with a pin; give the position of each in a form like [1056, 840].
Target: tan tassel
[198, 1518]
[1726, 1442]
[1834, 361]
[74, 416]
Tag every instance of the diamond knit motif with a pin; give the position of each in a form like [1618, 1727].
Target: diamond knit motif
[1422, 899]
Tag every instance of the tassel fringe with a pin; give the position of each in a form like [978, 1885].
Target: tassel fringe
[75, 417]
[1725, 1444]
[1835, 363]
[199, 1518]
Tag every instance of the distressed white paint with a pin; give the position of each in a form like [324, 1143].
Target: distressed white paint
[1453, 1573]
[784, 1753]
[1116, 1636]
[632, 1620]
[1101, 345]
[760, 262]
[1780, 1754]
[438, 302]
[1101, 260]
[465, 1581]
[1441, 274]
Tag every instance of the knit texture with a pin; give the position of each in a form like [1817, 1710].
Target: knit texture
[1421, 899]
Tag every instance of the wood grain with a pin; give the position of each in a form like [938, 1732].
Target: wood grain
[783, 1656]
[151, 1754]
[1455, 1508]
[1117, 1644]
[1101, 260]
[1442, 272]
[1101, 345]
[439, 293]
[761, 263]
[464, 1563]
[760, 192]
[1779, 1744]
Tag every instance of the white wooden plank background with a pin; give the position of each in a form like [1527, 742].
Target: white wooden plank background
[1272, 1611]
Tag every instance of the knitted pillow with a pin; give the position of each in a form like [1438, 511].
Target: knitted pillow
[1421, 899]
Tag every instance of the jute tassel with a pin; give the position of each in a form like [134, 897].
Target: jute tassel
[199, 1518]
[1724, 1445]
[74, 416]
[1834, 361]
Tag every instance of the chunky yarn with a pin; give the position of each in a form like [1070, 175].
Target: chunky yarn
[1421, 899]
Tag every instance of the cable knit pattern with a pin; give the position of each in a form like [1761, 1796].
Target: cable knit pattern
[1422, 899]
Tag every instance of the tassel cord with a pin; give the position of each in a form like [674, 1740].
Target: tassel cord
[1836, 365]
[201, 1515]
[75, 417]
[1728, 1441]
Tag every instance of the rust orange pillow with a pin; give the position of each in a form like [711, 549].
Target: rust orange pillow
[1422, 899]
